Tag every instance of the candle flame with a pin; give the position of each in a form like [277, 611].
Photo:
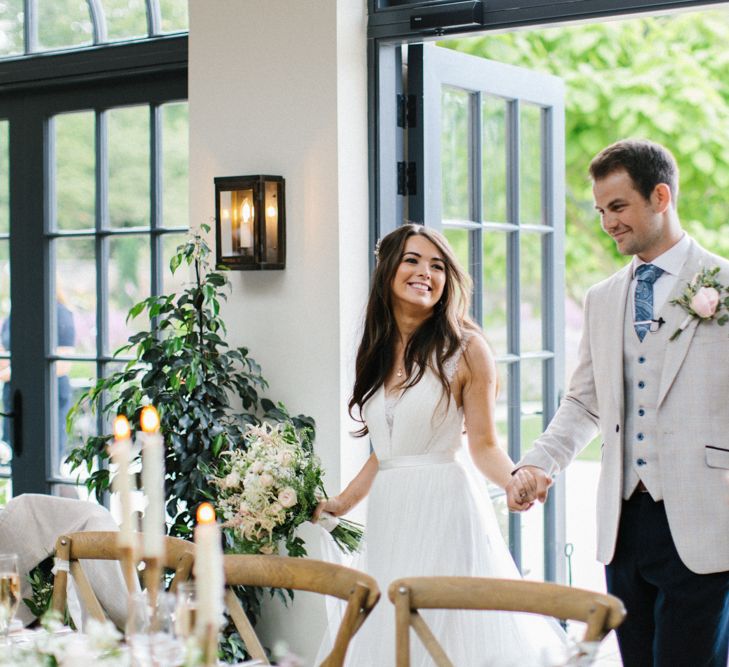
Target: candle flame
[246, 211]
[149, 419]
[205, 513]
[122, 431]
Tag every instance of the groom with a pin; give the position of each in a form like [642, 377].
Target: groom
[661, 408]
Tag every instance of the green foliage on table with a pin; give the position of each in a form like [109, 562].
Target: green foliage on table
[662, 78]
[40, 579]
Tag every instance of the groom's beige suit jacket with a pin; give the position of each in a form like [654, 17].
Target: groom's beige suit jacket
[692, 419]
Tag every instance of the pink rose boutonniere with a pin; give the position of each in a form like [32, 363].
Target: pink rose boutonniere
[702, 298]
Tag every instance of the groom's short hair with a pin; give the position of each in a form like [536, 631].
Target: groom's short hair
[646, 162]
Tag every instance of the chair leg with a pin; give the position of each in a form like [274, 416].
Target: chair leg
[402, 627]
[348, 626]
[597, 622]
[244, 627]
[86, 592]
[431, 644]
[60, 579]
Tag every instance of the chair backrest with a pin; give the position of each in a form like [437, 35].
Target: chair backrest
[601, 612]
[357, 589]
[102, 545]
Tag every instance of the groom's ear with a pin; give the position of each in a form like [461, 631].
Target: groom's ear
[661, 198]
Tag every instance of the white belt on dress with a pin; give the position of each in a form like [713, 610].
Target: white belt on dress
[435, 458]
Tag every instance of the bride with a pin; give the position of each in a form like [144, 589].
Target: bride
[423, 369]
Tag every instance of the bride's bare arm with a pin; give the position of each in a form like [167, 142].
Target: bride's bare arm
[477, 374]
[356, 490]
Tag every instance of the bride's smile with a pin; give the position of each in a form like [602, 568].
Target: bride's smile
[420, 276]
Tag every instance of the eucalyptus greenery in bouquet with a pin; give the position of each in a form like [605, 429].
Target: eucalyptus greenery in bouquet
[268, 488]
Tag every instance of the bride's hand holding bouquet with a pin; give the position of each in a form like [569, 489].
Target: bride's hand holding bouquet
[269, 487]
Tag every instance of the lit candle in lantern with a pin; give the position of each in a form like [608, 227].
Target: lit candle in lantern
[246, 224]
[120, 456]
[209, 578]
[153, 481]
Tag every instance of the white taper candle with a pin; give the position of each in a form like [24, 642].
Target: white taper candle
[153, 481]
[121, 452]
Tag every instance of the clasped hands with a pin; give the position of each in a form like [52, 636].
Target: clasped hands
[527, 485]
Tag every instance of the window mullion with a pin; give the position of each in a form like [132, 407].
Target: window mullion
[154, 18]
[98, 21]
[513, 324]
[30, 26]
[155, 189]
[476, 239]
[101, 243]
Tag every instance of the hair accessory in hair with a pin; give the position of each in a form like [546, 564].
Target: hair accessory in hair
[377, 250]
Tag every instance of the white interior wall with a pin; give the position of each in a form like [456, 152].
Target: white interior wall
[279, 87]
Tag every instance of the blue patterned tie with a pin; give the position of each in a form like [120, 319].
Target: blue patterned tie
[647, 274]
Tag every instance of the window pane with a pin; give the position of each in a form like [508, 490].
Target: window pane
[75, 185]
[174, 165]
[129, 271]
[6, 485]
[530, 268]
[174, 15]
[4, 281]
[75, 296]
[501, 414]
[494, 164]
[63, 23]
[72, 379]
[4, 178]
[530, 156]
[11, 27]
[125, 18]
[495, 292]
[129, 166]
[531, 427]
[5, 424]
[454, 154]
[173, 282]
[458, 240]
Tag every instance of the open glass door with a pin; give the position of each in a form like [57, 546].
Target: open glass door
[485, 165]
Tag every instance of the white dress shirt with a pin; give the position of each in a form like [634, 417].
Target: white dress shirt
[671, 262]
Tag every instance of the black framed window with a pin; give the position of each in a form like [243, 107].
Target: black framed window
[93, 201]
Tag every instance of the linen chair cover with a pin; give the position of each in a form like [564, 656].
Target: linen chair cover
[75, 548]
[29, 526]
[601, 612]
[357, 589]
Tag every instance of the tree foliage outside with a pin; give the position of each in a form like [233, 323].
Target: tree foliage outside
[660, 78]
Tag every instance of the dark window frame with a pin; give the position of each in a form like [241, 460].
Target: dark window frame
[33, 89]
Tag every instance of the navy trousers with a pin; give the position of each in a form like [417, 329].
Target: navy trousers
[676, 618]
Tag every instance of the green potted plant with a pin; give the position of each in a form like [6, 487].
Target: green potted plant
[205, 391]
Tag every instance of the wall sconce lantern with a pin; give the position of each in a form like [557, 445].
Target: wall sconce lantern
[250, 222]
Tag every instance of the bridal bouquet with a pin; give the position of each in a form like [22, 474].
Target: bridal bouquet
[267, 489]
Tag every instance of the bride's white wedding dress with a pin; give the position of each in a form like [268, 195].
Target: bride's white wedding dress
[428, 515]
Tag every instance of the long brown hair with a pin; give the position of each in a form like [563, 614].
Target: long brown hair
[432, 343]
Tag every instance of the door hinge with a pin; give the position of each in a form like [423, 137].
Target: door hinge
[406, 178]
[406, 116]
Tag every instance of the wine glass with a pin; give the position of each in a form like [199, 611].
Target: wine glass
[185, 610]
[9, 593]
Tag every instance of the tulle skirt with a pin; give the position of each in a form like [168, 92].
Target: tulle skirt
[437, 520]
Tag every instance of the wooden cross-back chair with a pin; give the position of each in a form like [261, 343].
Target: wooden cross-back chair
[102, 545]
[601, 612]
[357, 589]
